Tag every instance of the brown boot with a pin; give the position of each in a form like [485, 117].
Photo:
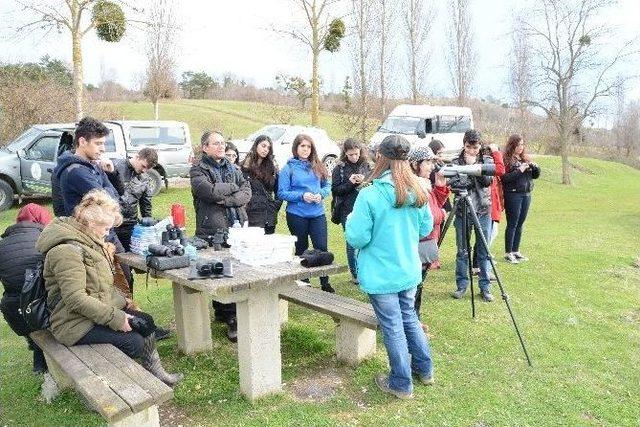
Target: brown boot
[151, 362]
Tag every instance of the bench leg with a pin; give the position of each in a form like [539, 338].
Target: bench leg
[283, 305]
[146, 418]
[354, 342]
[259, 356]
[193, 324]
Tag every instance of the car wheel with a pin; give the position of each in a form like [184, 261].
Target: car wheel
[6, 195]
[330, 163]
[157, 181]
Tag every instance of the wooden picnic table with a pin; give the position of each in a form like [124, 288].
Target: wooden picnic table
[256, 291]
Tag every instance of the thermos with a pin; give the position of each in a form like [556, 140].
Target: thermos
[178, 215]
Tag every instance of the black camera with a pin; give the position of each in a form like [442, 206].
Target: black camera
[141, 326]
[147, 221]
[218, 240]
[165, 250]
[172, 235]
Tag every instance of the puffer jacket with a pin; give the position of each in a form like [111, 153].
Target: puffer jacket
[78, 273]
[133, 188]
[18, 253]
[343, 190]
[219, 190]
[263, 207]
[478, 187]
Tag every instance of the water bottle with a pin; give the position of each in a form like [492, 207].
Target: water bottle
[191, 252]
[178, 215]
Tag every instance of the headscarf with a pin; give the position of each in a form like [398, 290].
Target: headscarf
[34, 213]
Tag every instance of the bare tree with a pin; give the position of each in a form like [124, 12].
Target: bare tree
[569, 42]
[520, 73]
[107, 18]
[418, 18]
[320, 34]
[384, 23]
[628, 130]
[362, 25]
[462, 57]
[160, 45]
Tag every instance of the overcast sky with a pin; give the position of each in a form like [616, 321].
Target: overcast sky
[221, 36]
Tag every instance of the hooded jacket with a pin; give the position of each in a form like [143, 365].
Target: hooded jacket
[263, 207]
[387, 237]
[343, 190]
[76, 177]
[133, 189]
[218, 190]
[18, 253]
[297, 178]
[77, 269]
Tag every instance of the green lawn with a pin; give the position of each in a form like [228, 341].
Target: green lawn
[577, 302]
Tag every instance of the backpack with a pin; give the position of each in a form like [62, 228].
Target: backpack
[336, 202]
[33, 300]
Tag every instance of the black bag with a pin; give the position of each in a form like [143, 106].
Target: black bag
[336, 203]
[33, 300]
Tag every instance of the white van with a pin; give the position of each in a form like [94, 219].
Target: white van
[422, 123]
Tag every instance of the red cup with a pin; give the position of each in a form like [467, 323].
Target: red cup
[178, 215]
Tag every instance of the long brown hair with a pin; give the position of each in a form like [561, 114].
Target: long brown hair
[265, 170]
[350, 144]
[318, 167]
[510, 150]
[404, 179]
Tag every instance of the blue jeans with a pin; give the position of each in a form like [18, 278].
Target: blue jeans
[516, 207]
[305, 228]
[462, 257]
[405, 341]
[351, 255]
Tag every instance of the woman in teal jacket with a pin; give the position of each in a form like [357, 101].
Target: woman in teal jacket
[386, 223]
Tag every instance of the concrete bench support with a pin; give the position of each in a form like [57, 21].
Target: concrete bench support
[193, 323]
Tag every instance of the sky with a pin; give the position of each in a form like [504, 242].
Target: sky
[237, 36]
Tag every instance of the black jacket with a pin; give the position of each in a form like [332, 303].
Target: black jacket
[263, 207]
[219, 191]
[514, 181]
[18, 253]
[133, 188]
[344, 191]
[478, 187]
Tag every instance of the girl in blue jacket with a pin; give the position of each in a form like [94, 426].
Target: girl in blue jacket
[304, 183]
[386, 223]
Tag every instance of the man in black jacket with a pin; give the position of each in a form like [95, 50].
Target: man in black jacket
[479, 191]
[134, 188]
[220, 194]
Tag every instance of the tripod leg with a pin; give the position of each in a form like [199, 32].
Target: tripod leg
[467, 250]
[447, 223]
[483, 241]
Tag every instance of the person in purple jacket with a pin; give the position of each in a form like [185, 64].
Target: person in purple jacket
[304, 182]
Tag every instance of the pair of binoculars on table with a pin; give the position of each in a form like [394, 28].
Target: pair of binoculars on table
[168, 250]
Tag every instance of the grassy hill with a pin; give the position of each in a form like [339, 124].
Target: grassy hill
[577, 302]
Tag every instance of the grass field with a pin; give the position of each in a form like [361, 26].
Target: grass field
[577, 302]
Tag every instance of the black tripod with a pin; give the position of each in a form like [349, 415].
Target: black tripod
[462, 201]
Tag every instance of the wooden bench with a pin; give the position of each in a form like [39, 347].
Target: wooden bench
[115, 386]
[356, 321]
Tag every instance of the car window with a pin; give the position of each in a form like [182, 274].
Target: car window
[273, 132]
[155, 135]
[44, 149]
[402, 125]
[110, 143]
[454, 124]
[25, 138]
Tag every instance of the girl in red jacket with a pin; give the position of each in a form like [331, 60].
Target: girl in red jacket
[422, 162]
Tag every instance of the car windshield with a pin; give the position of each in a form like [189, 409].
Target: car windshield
[25, 138]
[403, 125]
[273, 132]
[156, 135]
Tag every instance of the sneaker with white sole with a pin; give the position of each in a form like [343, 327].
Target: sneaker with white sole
[459, 293]
[486, 296]
[511, 258]
[382, 381]
[424, 379]
[520, 257]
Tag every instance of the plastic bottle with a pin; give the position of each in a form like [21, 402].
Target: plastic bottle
[236, 224]
[178, 215]
[191, 252]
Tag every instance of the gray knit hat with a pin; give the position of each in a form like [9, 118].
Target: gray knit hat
[394, 147]
[420, 153]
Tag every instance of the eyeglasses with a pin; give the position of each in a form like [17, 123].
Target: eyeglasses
[216, 144]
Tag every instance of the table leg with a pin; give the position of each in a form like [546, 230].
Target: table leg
[259, 355]
[193, 324]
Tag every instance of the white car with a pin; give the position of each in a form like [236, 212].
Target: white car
[283, 136]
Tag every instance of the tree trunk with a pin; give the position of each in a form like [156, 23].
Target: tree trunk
[76, 40]
[315, 87]
[564, 155]
[383, 46]
[156, 109]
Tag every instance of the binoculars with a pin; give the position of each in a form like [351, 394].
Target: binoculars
[165, 250]
[173, 235]
[218, 240]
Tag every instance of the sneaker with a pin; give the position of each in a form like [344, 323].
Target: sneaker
[424, 379]
[486, 296]
[382, 381]
[520, 257]
[355, 281]
[475, 271]
[328, 288]
[459, 293]
[232, 332]
[162, 333]
[511, 258]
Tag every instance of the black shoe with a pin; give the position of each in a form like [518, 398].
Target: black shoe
[39, 362]
[232, 331]
[162, 333]
[328, 288]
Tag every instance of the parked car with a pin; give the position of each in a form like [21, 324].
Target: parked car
[26, 163]
[283, 136]
[422, 123]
